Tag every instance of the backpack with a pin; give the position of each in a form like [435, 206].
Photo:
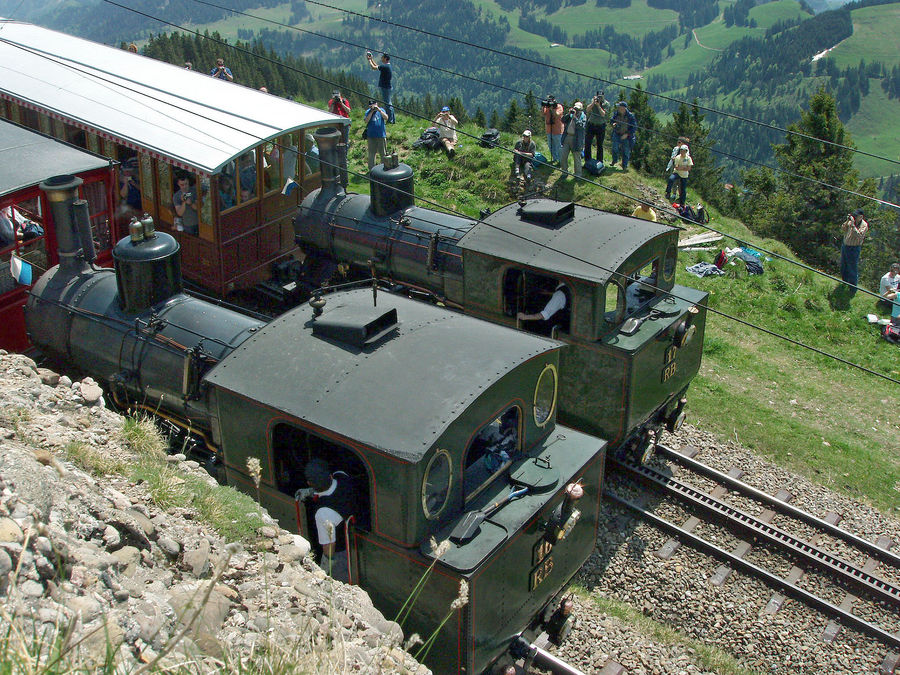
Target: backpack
[891, 333]
[430, 138]
[490, 138]
[593, 167]
[32, 231]
[686, 213]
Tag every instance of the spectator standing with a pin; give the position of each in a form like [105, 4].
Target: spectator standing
[553, 112]
[446, 124]
[338, 105]
[624, 128]
[855, 229]
[523, 157]
[574, 123]
[597, 113]
[221, 71]
[681, 169]
[645, 212]
[670, 180]
[888, 287]
[376, 132]
[385, 82]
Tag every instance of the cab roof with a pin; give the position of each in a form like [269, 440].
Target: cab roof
[27, 158]
[397, 395]
[562, 238]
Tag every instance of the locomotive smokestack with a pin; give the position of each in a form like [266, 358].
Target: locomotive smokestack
[333, 160]
[62, 193]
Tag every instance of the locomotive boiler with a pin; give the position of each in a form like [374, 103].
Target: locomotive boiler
[635, 336]
[407, 398]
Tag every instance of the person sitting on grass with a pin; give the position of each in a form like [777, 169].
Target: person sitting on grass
[523, 158]
[446, 124]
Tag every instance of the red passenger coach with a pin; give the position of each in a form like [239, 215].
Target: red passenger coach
[27, 234]
[205, 157]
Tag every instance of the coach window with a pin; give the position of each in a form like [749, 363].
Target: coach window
[22, 235]
[273, 169]
[491, 450]
[247, 176]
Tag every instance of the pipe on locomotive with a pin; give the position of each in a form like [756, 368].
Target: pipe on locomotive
[133, 329]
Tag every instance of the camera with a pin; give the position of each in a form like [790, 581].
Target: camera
[549, 101]
[598, 96]
[187, 195]
[335, 94]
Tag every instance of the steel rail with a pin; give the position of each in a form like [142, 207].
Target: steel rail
[846, 617]
[872, 549]
[731, 515]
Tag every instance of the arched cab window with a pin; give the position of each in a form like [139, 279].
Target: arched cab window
[627, 293]
[436, 484]
[491, 450]
[530, 293]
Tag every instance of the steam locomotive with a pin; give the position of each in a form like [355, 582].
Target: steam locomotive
[635, 337]
[405, 397]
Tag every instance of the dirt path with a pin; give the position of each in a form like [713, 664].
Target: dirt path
[712, 49]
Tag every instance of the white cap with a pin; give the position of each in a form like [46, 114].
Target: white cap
[526, 133]
[579, 105]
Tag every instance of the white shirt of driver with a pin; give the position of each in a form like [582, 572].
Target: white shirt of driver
[557, 302]
[327, 519]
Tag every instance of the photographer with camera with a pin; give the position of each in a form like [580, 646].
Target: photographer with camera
[385, 81]
[624, 128]
[855, 229]
[597, 113]
[376, 132]
[221, 72]
[338, 105]
[574, 123]
[184, 202]
[446, 125]
[552, 112]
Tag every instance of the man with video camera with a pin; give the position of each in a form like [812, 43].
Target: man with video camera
[553, 111]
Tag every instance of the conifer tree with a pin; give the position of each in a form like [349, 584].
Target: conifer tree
[479, 118]
[494, 122]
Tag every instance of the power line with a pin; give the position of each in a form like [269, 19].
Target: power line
[612, 190]
[600, 79]
[517, 235]
[525, 94]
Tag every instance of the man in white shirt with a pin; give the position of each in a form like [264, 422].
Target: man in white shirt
[888, 287]
[556, 303]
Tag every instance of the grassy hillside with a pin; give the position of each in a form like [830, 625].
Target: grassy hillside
[874, 37]
[875, 129]
[834, 424]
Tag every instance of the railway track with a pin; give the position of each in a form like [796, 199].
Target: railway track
[806, 554]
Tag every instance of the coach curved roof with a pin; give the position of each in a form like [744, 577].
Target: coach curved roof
[198, 121]
[27, 158]
[591, 245]
[398, 395]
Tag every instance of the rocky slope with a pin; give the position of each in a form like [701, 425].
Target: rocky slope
[95, 574]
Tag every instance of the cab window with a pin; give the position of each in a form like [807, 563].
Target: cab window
[640, 287]
[491, 450]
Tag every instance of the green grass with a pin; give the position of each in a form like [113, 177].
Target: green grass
[874, 37]
[875, 129]
[636, 20]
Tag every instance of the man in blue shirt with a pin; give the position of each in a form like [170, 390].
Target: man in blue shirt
[376, 133]
[221, 71]
[385, 77]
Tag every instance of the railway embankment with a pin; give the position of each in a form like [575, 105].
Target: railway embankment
[109, 561]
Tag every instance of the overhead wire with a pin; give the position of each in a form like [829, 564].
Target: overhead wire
[526, 239]
[503, 87]
[596, 78]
